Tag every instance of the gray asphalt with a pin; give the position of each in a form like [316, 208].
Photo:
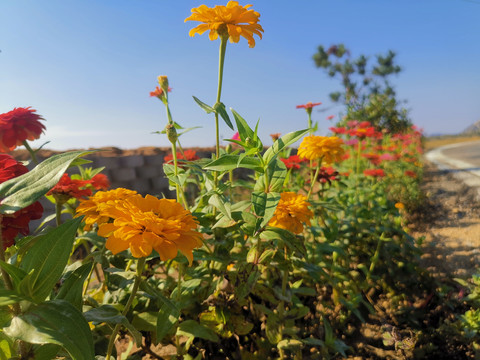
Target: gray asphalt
[467, 152]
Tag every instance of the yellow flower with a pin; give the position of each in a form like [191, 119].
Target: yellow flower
[232, 20]
[327, 148]
[91, 208]
[399, 206]
[291, 212]
[143, 224]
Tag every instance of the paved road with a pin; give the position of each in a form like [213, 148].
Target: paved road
[467, 152]
[463, 160]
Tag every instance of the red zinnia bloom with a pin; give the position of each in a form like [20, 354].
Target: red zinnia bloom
[308, 105]
[330, 117]
[19, 125]
[411, 173]
[188, 155]
[374, 158]
[236, 136]
[293, 162]
[328, 174]
[100, 182]
[374, 172]
[338, 130]
[68, 188]
[158, 92]
[16, 223]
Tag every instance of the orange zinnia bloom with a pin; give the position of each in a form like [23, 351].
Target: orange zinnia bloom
[291, 212]
[19, 125]
[232, 21]
[327, 148]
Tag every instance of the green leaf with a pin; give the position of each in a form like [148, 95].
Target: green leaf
[9, 297]
[244, 131]
[46, 352]
[290, 344]
[276, 172]
[15, 273]
[167, 317]
[109, 314]
[55, 322]
[221, 204]
[273, 329]
[281, 143]
[292, 241]
[229, 162]
[46, 260]
[19, 192]
[72, 287]
[6, 349]
[220, 109]
[208, 109]
[191, 328]
[265, 204]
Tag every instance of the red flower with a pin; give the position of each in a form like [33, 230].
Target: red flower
[328, 174]
[411, 173]
[308, 105]
[19, 125]
[374, 158]
[293, 162]
[68, 188]
[330, 117]
[100, 182]
[188, 155]
[16, 223]
[374, 172]
[338, 130]
[158, 92]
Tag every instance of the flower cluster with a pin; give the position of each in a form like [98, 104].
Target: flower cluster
[327, 148]
[293, 162]
[141, 224]
[68, 188]
[231, 21]
[16, 223]
[188, 155]
[292, 212]
[17, 126]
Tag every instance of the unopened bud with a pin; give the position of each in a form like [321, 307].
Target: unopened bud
[171, 133]
[229, 148]
[163, 82]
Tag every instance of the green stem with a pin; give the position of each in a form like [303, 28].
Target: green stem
[136, 284]
[374, 258]
[177, 298]
[312, 182]
[359, 151]
[30, 150]
[310, 128]
[58, 212]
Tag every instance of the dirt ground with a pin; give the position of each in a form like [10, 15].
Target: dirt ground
[449, 221]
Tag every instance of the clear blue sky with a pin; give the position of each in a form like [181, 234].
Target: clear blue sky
[88, 66]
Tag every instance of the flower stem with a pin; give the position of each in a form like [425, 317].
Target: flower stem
[136, 284]
[177, 299]
[312, 182]
[30, 150]
[58, 212]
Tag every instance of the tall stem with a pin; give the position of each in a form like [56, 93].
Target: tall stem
[136, 284]
[31, 152]
[314, 178]
[58, 212]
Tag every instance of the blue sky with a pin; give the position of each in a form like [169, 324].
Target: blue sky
[88, 66]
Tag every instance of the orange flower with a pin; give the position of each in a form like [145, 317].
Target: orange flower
[91, 208]
[143, 224]
[158, 92]
[308, 105]
[291, 212]
[231, 21]
[19, 125]
[327, 148]
[100, 182]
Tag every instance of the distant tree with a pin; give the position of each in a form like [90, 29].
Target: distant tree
[367, 92]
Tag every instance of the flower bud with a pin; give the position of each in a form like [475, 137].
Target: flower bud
[163, 82]
[171, 133]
